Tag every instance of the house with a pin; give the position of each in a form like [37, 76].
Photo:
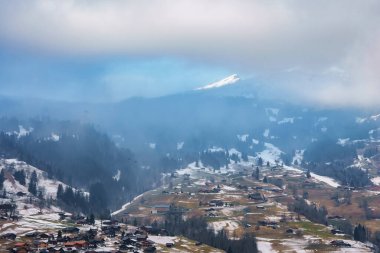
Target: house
[161, 209]
[257, 196]
[78, 244]
[70, 230]
[289, 231]
[340, 243]
[216, 202]
[21, 194]
[151, 249]
[335, 217]
[43, 245]
[169, 244]
[141, 237]
[272, 224]
[8, 236]
[20, 245]
[336, 231]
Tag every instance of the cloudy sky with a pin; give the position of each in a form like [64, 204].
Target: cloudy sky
[322, 52]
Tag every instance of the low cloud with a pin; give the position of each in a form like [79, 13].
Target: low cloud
[334, 42]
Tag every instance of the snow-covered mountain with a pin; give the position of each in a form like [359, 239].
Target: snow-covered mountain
[224, 82]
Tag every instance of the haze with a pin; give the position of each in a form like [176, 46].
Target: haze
[323, 53]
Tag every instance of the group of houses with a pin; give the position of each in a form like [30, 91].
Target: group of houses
[110, 236]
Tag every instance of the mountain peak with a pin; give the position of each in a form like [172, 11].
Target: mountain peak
[225, 81]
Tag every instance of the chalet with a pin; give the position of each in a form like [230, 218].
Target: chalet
[109, 222]
[42, 245]
[336, 231]
[81, 222]
[146, 243]
[161, 209]
[335, 217]
[169, 244]
[257, 196]
[213, 190]
[340, 243]
[8, 236]
[78, 244]
[21, 194]
[272, 224]
[141, 237]
[70, 230]
[43, 236]
[289, 231]
[151, 249]
[126, 247]
[216, 202]
[63, 215]
[32, 234]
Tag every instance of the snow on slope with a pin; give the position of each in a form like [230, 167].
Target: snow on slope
[126, 205]
[271, 154]
[343, 142]
[180, 145]
[226, 81]
[371, 118]
[326, 180]
[47, 186]
[376, 180]
[298, 156]
[117, 175]
[21, 132]
[286, 120]
[242, 137]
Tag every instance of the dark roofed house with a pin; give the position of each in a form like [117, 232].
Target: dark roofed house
[70, 230]
[8, 236]
[162, 208]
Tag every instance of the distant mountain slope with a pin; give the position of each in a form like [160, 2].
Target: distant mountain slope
[171, 131]
[76, 154]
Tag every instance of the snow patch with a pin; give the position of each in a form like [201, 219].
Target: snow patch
[180, 145]
[325, 179]
[54, 137]
[243, 137]
[226, 81]
[298, 156]
[162, 239]
[376, 180]
[126, 205]
[254, 141]
[343, 142]
[273, 111]
[216, 149]
[271, 154]
[117, 176]
[227, 225]
[286, 120]
[266, 133]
